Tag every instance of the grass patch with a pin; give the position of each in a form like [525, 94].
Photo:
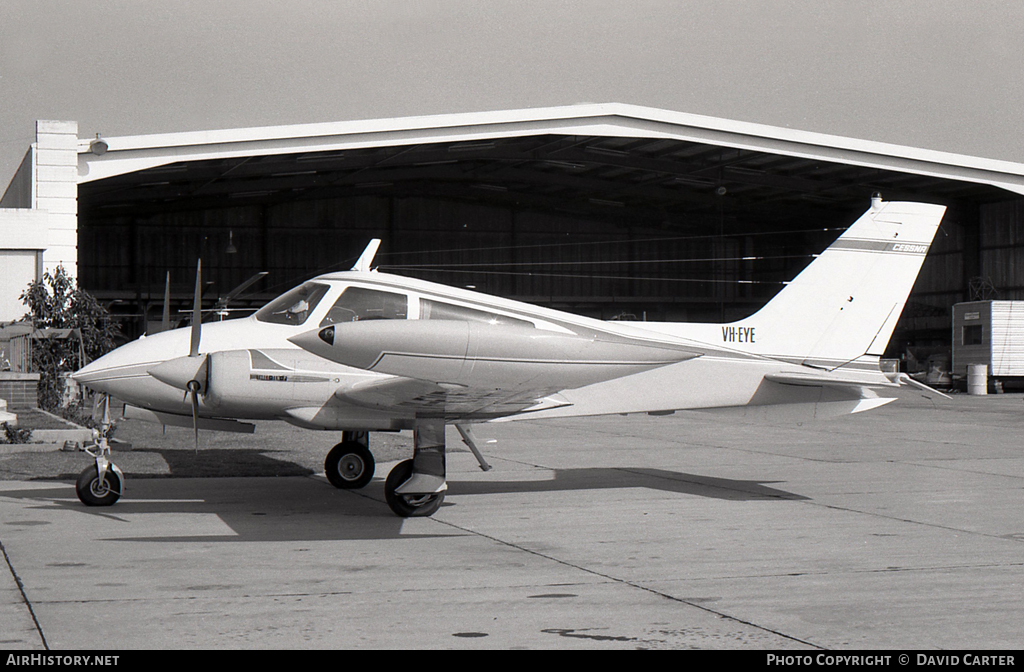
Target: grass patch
[33, 418]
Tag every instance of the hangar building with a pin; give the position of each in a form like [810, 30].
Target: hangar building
[610, 210]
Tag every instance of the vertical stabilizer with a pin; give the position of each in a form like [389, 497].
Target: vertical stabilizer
[846, 303]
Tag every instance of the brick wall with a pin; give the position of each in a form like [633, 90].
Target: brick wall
[19, 389]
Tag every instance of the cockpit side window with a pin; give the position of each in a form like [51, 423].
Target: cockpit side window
[357, 304]
[293, 307]
[436, 310]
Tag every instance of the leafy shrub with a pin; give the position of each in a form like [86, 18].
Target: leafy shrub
[14, 434]
[57, 302]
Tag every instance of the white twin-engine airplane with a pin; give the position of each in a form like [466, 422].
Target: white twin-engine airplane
[361, 351]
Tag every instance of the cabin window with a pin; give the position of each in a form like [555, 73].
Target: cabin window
[293, 307]
[357, 304]
[435, 310]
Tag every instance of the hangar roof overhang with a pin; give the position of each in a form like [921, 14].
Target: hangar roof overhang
[581, 158]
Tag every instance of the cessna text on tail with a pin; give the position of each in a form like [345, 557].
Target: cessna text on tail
[360, 351]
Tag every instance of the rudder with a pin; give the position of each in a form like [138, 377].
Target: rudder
[846, 303]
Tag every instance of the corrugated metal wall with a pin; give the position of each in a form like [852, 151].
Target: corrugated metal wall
[534, 256]
[941, 281]
[1002, 247]
[1007, 338]
[602, 268]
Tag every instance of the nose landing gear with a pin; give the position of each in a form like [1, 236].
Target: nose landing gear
[102, 483]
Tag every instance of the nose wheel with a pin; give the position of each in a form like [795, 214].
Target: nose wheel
[96, 490]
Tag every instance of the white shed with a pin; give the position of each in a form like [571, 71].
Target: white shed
[989, 332]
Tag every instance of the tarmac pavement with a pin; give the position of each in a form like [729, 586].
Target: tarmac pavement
[900, 528]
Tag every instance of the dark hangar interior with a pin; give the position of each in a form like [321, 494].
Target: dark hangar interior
[610, 227]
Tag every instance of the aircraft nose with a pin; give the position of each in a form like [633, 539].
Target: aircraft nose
[115, 371]
[92, 370]
[95, 374]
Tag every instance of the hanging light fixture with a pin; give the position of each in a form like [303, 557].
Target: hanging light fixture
[231, 243]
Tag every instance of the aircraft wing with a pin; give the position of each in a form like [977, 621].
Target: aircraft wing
[467, 369]
[180, 420]
[427, 398]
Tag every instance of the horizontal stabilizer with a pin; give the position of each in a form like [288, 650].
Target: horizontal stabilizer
[797, 412]
[907, 380]
[815, 380]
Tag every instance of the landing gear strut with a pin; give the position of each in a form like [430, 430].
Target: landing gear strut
[102, 483]
[416, 487]
[350, 464]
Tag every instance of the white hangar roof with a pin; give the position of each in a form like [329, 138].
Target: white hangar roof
[115, 156]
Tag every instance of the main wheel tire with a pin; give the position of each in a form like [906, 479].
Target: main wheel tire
[408, 506]
[349, 465]
[96, 492]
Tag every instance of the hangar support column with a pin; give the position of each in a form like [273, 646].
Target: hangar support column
[39, 214]
[56, 191]
[969, 218]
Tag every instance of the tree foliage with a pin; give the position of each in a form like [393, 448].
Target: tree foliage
[57, 302]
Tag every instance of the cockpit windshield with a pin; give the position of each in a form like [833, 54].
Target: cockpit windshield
[293, 307]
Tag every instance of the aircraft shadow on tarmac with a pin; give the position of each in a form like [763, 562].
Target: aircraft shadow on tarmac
[598, 478]
[303, 509]
[205, 463]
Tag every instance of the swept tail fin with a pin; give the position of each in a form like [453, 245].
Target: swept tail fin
[846, 303]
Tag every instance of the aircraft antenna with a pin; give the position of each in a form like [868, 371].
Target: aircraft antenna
[366, 258]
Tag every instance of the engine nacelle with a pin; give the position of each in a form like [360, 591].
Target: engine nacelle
[477, 354]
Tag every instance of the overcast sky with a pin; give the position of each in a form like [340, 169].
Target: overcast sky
[926, 73]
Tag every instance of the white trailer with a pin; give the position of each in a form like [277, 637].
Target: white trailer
[991, 333]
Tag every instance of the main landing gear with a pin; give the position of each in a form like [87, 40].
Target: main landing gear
[350, 464]
[414, 487]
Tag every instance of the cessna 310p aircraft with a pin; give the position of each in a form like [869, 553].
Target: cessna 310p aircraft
[361, 351]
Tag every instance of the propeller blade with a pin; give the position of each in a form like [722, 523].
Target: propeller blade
[194, 390]
[166, 323]
[97, 407]
[223, 303]
[197, 314]
[105, 419]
